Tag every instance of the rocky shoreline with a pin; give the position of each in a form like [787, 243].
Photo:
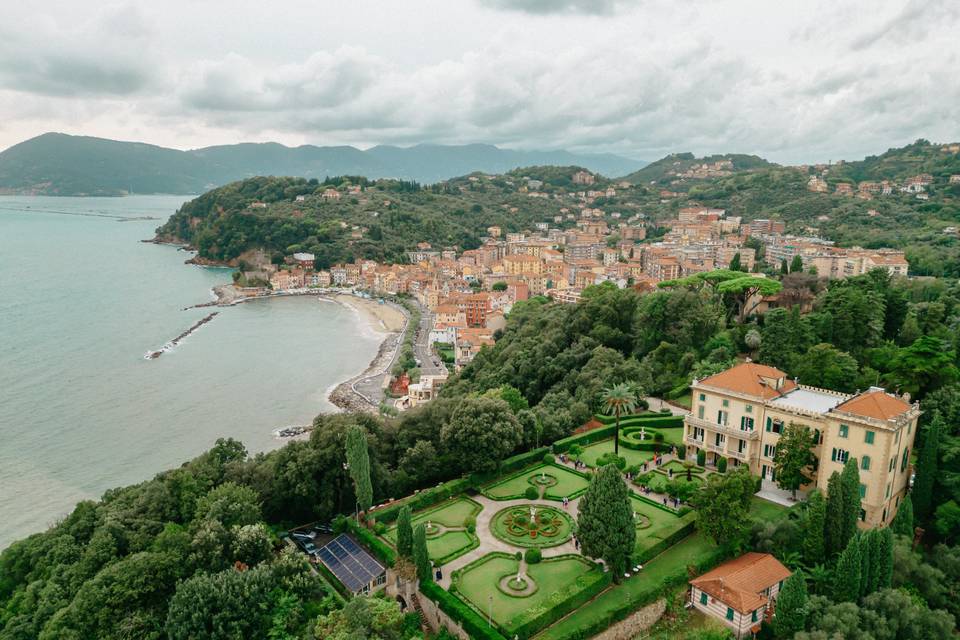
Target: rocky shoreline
[345, 397]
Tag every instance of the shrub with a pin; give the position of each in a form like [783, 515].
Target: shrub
[610, 458]
[533, 556]
[379, 528]
[701, 458]
[548, 458]
[682, 453]
[657, 437]
[471, 528]
[722, 465]
[518, 555]
[644, 478]
[531, 493]
[575, 450]
[633, 469]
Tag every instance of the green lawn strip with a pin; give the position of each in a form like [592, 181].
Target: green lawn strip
[569, 483]
[453, 513]
[633, 457]
[664, 525]
[662, 574]
[557, 579]
[451, 545]
[767, 511]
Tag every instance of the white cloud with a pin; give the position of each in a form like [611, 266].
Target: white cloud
[640, 78]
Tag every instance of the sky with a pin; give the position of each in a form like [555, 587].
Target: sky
[794, 81]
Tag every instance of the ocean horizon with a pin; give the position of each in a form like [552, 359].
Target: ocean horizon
[82, 411]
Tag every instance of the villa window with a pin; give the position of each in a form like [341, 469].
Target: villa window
[749, 408]
[839, 455]
[700, 410]
[723, 417]
[703, 397]
[703, 597]
[726, 403]
[906, 459]
[754, 616]
[863, 515]
[816, 436]
[865, 463]
[729, 613]
[769, 451]
[863, 491]
[746, 424]
[887, 494]
[844, 431]
[868, 437]
[893, 462]
[774, 426]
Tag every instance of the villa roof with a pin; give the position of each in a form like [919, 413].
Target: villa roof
[875, 403]
[739, 582]
[753, 379]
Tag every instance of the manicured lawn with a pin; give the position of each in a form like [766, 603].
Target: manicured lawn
[766, 510]
[685, 401]
[640, 589]
[678, 467]
[567, 484]
[658, 481]
[662, 523]
[594, 451]
[450, 544]
[478, 584]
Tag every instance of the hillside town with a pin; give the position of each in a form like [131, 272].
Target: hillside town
[468, 292]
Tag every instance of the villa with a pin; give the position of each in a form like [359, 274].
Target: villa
[740, 413]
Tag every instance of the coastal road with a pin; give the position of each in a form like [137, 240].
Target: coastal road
[430, 364]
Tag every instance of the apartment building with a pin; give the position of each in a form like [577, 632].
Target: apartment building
[740, 413]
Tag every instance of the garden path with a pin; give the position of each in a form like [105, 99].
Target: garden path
[490, 543]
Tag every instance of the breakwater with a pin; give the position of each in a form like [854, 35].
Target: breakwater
[153, 355]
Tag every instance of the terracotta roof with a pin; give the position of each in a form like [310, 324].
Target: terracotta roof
[748, 378]
[875, 403]
[738, 583]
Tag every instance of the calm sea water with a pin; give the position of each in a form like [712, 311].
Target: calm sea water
[81, 410]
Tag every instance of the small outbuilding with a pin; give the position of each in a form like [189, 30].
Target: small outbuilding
[352, 565]
[740, 592]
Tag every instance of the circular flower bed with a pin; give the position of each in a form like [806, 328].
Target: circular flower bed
[542, 480]
[545, 527]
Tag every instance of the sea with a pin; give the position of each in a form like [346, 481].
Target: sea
[82, 300]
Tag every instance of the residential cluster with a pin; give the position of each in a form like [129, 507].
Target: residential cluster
[868, 189]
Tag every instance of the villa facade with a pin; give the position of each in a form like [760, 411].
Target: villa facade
[740, 413]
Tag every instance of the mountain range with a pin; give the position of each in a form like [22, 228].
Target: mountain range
[66, 165]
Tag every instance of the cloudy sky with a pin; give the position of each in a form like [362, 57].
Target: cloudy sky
[792, 80]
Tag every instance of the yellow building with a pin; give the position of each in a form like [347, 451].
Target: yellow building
[740, 413]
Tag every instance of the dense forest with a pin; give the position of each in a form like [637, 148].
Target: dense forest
[193, 552]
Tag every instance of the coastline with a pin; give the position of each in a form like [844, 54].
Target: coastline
[364, 390]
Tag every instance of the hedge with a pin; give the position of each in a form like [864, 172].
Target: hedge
[655, 421]
[589, 437]
[421, 500]
[654, 591]
[650, 553]
[369, 539]
[475, 626]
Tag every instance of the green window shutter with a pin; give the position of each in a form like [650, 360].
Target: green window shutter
[833, 455]
[868, 437]
[865, 463]
[703, 597]
[863, 491]
[754, 617]
[769, 423]
[729, 613]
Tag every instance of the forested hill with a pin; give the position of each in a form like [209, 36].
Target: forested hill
[60, 164]
[344, 218]
[676, 164]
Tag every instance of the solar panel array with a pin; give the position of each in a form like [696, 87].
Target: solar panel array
[353, 566]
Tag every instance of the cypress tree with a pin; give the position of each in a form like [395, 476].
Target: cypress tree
[866, 562]
[605, 525]
[358, 459]
[846, 582]
[884, 556]
[877, 549]
[784, 269]
[927, 471]
[903, 522]
[735, 262]
[850, 482]
[833, 529]
[791, 613]
[796, 265]
[813, 542]
[405, 532]
[421, 556]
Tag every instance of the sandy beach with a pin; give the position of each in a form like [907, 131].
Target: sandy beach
[385, 318]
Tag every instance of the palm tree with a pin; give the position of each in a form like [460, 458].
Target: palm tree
[618, 400]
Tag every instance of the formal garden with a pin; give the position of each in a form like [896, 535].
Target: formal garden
[505, 547]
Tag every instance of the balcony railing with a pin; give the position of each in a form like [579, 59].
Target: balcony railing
[739, 455]
[691, 439]
[719, 448]
[725, 429]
